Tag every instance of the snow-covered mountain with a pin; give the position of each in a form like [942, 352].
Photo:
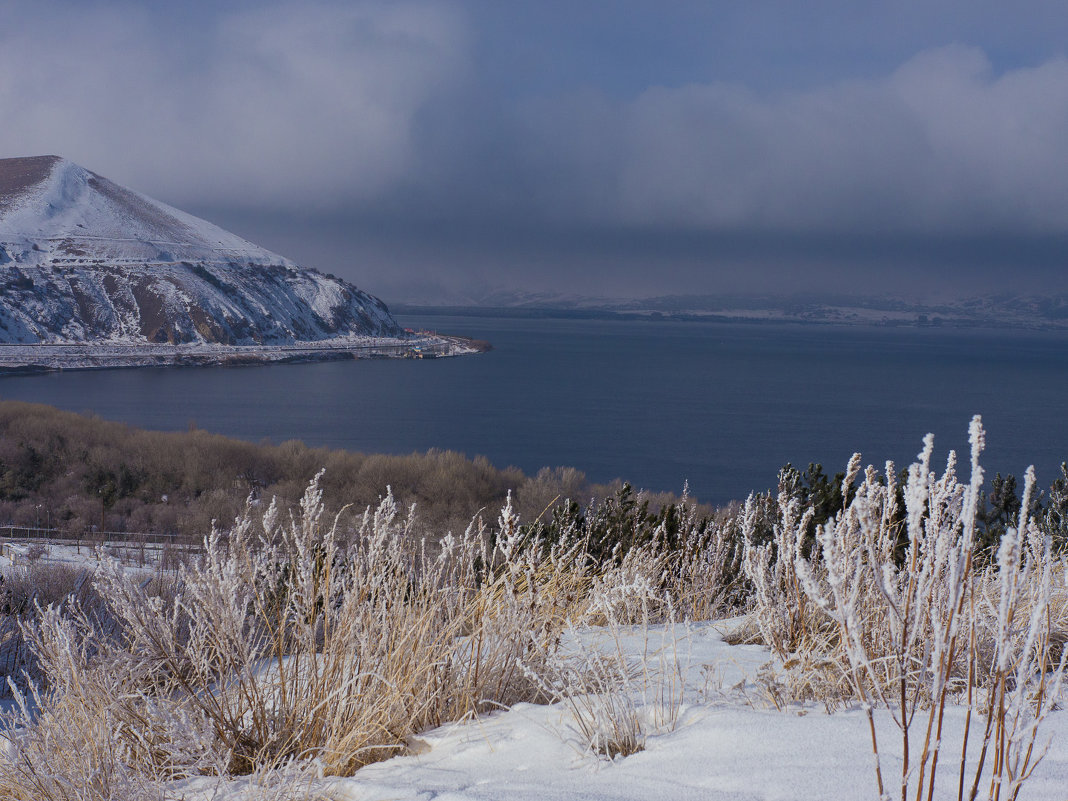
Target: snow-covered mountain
[83, 259]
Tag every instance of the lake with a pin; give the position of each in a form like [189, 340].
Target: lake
[720, 405]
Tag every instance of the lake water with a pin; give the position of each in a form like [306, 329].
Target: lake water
[720, 405]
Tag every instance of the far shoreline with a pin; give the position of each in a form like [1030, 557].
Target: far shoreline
[754, 317]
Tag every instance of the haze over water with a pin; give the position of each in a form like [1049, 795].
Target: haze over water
[720, 405]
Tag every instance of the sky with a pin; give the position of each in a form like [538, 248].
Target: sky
[440, 150]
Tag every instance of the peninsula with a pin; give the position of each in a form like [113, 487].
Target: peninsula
[93, 274]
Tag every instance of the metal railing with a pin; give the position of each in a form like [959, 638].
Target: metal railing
[125, 542]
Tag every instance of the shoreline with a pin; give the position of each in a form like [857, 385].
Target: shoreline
[56, 357]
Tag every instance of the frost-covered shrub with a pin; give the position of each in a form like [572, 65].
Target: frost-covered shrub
[1054, 517]
[95, 732]
[281, 644]
[783, 613]
[293, 646]
[704, 573]
[898, 604]
[644, 556]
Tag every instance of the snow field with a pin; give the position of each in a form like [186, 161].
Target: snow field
[730, 744]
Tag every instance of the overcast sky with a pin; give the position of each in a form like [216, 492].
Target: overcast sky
[439, 149]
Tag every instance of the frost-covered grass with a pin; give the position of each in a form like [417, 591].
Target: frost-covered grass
[282, 645]
[504, 664]
[897, 614]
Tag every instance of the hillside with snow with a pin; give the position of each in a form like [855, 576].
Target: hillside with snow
[84, 260]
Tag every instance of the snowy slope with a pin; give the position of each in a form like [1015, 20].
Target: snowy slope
[83, 259]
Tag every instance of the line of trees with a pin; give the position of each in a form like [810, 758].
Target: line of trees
[76, 472]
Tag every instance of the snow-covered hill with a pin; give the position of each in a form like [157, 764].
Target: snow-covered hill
[83, 259]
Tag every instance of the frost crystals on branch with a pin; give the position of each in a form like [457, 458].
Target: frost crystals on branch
[919, 625]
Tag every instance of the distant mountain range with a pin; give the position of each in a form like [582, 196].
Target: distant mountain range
[84, 260]
[991, 311]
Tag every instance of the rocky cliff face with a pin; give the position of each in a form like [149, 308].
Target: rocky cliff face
[83, 259]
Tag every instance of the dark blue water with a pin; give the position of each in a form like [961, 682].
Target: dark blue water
[720, 405]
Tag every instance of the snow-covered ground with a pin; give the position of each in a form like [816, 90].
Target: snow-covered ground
[729, 744]
[84, 556]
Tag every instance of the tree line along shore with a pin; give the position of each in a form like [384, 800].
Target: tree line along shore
[76, 473]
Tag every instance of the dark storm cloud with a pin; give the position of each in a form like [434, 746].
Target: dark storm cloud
[941, 144]
[283, 106]
[394, 141]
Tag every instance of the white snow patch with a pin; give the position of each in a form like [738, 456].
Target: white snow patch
[727, 746]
